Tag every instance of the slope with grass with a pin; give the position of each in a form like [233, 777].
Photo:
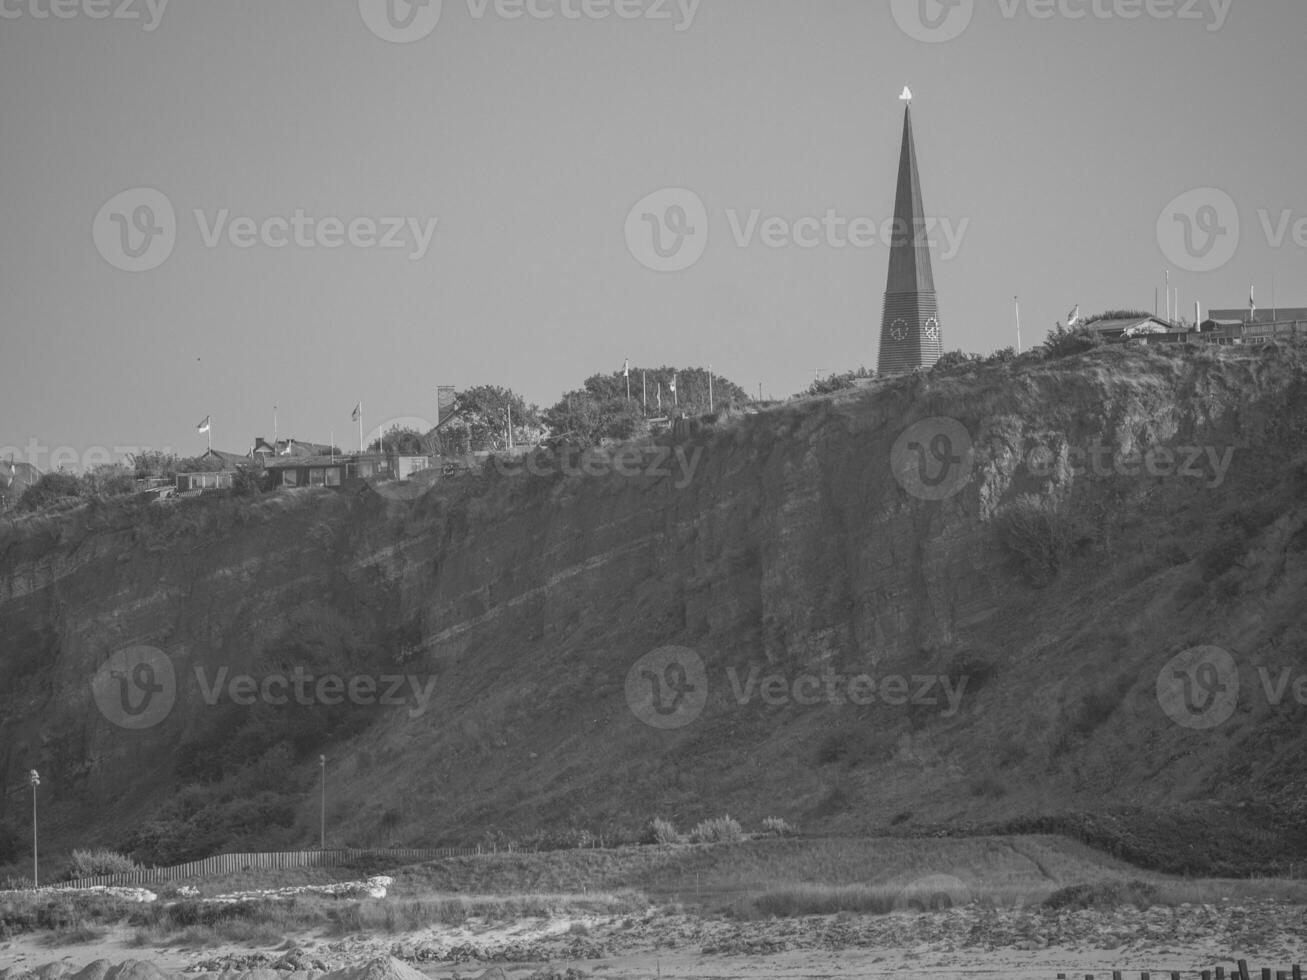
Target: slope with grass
[1057, 594]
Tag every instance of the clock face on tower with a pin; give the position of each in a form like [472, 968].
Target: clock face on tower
[932, 328]
[899, 331]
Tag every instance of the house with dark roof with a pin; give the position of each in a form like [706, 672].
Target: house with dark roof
[1128, 328]
[336, 470]
[289, 447]
[15, 478]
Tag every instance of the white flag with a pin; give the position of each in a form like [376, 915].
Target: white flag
[626, 371]
[672, 389]
[1073, 317]
[357, 413]
[203, 426]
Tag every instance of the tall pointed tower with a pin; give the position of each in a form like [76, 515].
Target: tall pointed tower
[910, 336]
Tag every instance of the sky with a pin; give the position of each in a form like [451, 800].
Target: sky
[215, 207]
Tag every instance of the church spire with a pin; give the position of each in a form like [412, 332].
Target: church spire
[910, 333]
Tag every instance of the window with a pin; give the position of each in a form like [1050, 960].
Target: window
[365, 468]
[317, 476]
[290, 478]
[333, 476]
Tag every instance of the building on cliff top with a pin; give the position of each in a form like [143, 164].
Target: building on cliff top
[910, 336]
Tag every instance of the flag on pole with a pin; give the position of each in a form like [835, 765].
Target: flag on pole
[203, 426]
[357, 414]
[672, 387]
[1252, 303]
[1073, 317]
[626, 371]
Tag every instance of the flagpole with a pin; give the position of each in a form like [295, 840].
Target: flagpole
[274, 431]
[1017, 302]
[360, 428]
[710, 398]
[644, 390]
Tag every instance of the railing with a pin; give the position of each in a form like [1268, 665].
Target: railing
[223, 864]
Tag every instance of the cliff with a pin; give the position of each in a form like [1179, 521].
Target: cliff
[1027, 547]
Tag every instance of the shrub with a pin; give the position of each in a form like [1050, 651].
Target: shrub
[92, 864]
[1062, 342]
[663, 832]
[1038, 536]
[49, 489]
[954, 359]
[776, 827]
[1104, 895]
[722, 830]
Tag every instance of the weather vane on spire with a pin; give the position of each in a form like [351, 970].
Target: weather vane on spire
[907, 94]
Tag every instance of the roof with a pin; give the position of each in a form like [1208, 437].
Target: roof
[17, 472]
[1132, 325]
[292, 447]
[1263, 316]
[232, 459]
[297, 462]
[909, 257]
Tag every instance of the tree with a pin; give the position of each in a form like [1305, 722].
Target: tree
[602, 410]
[405, 441]
[483, 421]
[839, 382]
[50, 488]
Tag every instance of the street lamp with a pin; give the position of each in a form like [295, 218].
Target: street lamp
[322, 760]
[35, 779]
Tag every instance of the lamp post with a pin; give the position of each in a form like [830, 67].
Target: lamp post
[322, 759]
[35, 779]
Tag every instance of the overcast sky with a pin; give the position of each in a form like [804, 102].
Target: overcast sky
[1057, 141]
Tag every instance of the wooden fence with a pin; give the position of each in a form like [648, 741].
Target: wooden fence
[1218, 974]
[223, 864]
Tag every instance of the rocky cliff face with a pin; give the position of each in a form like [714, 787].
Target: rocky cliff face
[1026, 549]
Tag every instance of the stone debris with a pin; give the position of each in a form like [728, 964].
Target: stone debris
[567, 948]
[374, 887]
